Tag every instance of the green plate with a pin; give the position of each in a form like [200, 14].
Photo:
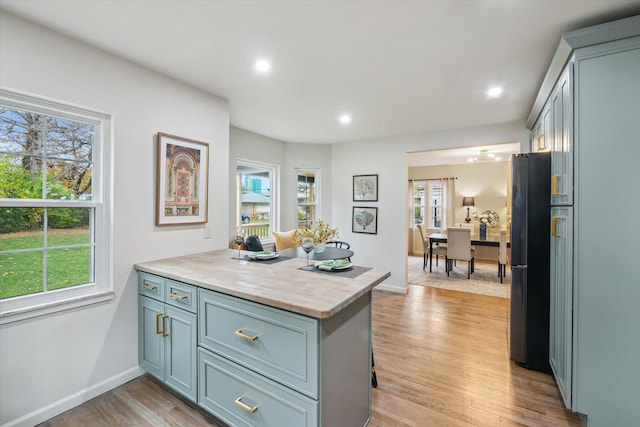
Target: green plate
[337, 264]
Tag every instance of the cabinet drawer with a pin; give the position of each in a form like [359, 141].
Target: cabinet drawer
[280, 345]
[181, 295]
[241, 397]
[151, 286]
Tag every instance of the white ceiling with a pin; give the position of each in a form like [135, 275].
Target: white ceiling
[454, 156]
[398, 67]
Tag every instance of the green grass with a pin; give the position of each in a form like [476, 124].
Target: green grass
[22, 273]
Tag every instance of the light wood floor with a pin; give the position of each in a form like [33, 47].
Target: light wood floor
[441, 360]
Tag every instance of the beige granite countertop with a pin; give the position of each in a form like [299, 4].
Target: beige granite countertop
[281, 284]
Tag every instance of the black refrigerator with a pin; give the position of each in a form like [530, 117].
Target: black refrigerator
[530, 260]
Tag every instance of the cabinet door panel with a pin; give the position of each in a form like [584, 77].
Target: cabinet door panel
[562, 150]
[150, 341]
[151, 286]
[276, 343]
[561, 300]
[180, 351]
[243, 398]
[181, 295]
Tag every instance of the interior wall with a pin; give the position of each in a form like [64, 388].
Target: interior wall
[486, 182]
[387, 157]
[51, 363]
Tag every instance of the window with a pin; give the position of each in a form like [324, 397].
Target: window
[427, 203]
[257, 185]
[308, 187]
[54, 216]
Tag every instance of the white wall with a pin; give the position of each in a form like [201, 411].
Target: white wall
[486, 182]
[49, 364]
[387, 158]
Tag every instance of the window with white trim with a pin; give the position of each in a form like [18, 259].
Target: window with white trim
[308, 196]
[257, 194]
[427, 203]
[54, 206]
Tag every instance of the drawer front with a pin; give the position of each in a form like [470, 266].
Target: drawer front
[151, 286]
[181, 295]
[280, 345]
[241, 397]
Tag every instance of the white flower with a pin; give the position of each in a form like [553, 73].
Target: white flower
[488, 217]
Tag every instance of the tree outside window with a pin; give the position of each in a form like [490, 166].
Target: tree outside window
[52, 219]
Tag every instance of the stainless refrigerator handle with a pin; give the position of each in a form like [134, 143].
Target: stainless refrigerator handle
[519, 267]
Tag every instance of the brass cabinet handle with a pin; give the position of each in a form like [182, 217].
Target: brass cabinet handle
[244, 406]
[554, 226]
[244, 336]
[151, 288]
[158, 316]
[164, 326]
[178, 297]
[554, 185]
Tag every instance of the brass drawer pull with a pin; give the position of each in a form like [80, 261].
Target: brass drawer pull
[158, 316]
[164, 326]
[244, 336]
[244, 406]
[554, 185]
[554, 226]
[178, 297]
[151, 288]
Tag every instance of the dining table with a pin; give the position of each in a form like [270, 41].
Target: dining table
[328, 253]
[489, 240]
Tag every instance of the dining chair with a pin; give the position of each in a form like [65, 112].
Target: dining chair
[340, 244]
[502, 255]
[437, 249]
[459, 248]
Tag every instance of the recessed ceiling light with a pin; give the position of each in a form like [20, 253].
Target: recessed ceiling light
[263, 66]
[345, 119]
[494, 92]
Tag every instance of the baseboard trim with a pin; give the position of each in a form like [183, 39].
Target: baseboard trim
[391, 288]
[56, 408]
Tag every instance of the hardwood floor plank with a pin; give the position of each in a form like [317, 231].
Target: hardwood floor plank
[447, 352]
[441, 356]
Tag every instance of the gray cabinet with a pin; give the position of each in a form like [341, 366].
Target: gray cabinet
[264, 366]
[167, 336]
[250, 364]
[594, 286]
[561, 300]
[561, 145]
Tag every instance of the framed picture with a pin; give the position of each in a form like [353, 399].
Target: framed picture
[365, 188]
[364, 220]
[182, 177]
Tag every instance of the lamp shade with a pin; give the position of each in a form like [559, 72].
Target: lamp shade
[468, 201]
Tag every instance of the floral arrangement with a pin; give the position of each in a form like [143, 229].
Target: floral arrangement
[489, 217]
[322, 233]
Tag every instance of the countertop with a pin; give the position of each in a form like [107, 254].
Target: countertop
[280, 284]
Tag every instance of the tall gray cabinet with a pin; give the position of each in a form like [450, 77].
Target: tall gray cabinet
[588, 115]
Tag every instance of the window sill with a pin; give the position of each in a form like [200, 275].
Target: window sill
[10, 315]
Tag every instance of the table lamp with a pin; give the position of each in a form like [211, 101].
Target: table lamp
[468, 202]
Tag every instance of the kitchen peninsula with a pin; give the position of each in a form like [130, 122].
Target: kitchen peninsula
[260, 342]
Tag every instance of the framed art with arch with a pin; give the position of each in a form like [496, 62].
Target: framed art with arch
[182, 177]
